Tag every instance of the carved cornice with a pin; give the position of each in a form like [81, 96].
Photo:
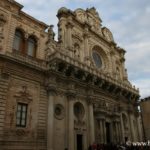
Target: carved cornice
[66, 66]
[62, 63]
[14, 56]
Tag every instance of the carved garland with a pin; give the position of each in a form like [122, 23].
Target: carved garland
[24, 96]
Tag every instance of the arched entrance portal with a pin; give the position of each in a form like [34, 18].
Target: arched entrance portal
[79, 113]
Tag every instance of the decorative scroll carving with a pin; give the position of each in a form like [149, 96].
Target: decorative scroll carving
[77, 36]
[107, 34]
[22, 132]
[79, 111]
[89, 16]
[80, 125]
[81, 15]
[59, 111]
[76, 50]
[24, 95]
[104, 106]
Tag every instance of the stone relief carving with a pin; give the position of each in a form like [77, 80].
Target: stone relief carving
[80, 125]
[103, 105]
[93, 11]
[89, 16]
[23, 95]
[107, 34]
[59, 111]
[51, 34]
[81, 15]
[76, 50]
[79, 113]
[77, 35]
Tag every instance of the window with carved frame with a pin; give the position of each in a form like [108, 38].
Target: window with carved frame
[24, 46]
[18, 44]
[21, 115]
[31, 46]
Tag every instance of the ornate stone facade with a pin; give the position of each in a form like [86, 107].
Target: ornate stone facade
[67, 93]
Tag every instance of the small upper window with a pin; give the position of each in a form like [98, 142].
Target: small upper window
[18, 41]
[31, 47]
[21, 117]
[97, 59]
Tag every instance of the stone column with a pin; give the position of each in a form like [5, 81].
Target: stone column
[69, 35]
[101, 131]
[119, 128]
[71, 97]
[114, 132]
[139, 128]
[131, 127]
[71, 126]
[91, 123]
[86, 46]
[86, 51]
[104, 132]
[50, 118]
[122, 130]
[117, 132]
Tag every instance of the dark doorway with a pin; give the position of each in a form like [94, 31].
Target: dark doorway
[126, 139]
[108, 132]
[79, 142]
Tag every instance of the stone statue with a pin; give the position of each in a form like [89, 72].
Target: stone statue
[51, 33]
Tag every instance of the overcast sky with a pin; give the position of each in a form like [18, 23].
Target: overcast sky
[129, 21]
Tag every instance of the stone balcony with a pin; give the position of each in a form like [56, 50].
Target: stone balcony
[26, 60]
[61, 61]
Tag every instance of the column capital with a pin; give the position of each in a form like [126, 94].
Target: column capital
[86, 35]
[69, 25]
[51, 89]
[71, 94]
[90, 100]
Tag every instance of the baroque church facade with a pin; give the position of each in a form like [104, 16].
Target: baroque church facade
[64, 94]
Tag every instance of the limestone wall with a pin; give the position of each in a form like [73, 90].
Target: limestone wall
[14, 19]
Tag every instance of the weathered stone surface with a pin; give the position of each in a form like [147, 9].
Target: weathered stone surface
[76, 89]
